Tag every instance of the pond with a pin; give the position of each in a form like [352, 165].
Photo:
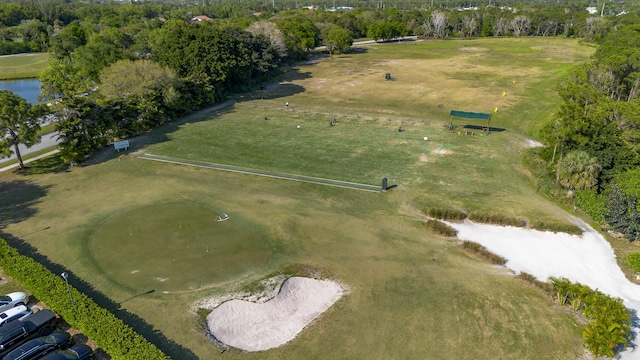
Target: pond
[28, 89]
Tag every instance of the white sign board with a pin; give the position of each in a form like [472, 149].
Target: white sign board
[124, 144]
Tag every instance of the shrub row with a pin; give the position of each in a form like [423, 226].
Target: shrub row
[498, 219]
[556, 226]
[110, 333]
[440, 228]
[610, 325]
[481, 251]
[445, 214]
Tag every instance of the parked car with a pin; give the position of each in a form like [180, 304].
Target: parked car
[13, 299]
[76, 352]
[14, 313]
[40, 323]
[38, 347]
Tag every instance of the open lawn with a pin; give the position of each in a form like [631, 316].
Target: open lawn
[22, 66]
[119, 221]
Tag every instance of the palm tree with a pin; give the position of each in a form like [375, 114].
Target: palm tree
[578, 170]
[562, 287]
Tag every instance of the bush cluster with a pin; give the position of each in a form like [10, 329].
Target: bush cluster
[110, 333]
[481, 251]
[634, 261]
[555, 226]
[592, 203]
[445, 214]
[498, 219]
[610, 325]
[440, 228]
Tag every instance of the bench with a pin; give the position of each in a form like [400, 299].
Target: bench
[123, 144]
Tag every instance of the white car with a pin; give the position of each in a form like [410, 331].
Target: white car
[13, 299]
[14, 313]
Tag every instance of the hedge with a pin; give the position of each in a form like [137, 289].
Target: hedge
[481, 251]
[445, 213]
[111, 334]
[497, 219]
[440, 228]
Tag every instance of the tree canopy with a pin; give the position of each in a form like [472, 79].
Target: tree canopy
[18, 124]
[599, 119]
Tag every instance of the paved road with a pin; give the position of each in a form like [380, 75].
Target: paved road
[47, 141]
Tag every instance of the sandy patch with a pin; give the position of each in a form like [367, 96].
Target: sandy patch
[552, 48]
[426, 157]
[587, 259]
[441, 152]
[473, 48]
[532, 143]
[256, 327]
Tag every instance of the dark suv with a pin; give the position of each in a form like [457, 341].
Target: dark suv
[36, 348]
[76, 352]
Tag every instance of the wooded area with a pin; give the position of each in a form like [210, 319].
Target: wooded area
[118, 69]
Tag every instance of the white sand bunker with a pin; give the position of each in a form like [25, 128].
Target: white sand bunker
[256, 327]
[588, 259]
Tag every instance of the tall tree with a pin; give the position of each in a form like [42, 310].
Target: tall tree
[439, 22]
[520, 25]
[300, 35]
[338, 40]
[126, 78]
[18, 124]
[271, 31]
[192, 49]
[623, 215]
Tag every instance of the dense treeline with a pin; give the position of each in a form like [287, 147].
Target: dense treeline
[593, 143]
[28, 26]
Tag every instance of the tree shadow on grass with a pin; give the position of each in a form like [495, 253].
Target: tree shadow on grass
[48, 165]
[168, 346]
[160, 134]
[483, 128]
[18, 199]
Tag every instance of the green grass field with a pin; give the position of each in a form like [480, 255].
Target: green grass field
[22, 66]
[170, 247]
[116, 222]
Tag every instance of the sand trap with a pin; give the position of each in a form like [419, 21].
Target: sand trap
[255, 327]
[587, 259]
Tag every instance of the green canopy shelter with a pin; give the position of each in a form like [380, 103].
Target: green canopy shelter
[470, 115]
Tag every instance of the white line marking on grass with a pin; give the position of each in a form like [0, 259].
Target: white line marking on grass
[283, 176]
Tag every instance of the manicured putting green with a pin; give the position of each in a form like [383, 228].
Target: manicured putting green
[176, 247]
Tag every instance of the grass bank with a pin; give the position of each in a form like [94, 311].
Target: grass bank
[22, 66]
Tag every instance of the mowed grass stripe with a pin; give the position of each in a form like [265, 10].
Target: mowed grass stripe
[272, 174]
